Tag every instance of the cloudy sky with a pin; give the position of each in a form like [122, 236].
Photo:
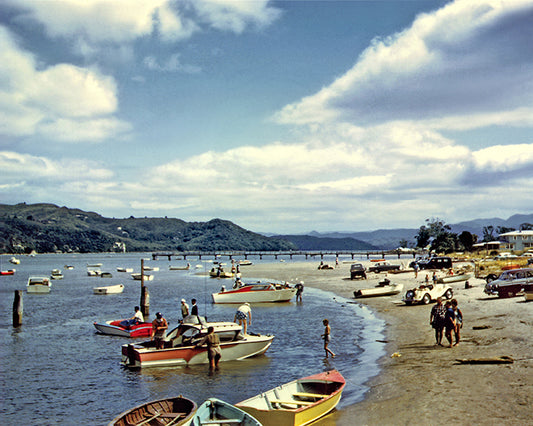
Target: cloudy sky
[281, 116]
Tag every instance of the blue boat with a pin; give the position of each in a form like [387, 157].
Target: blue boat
[214, 412]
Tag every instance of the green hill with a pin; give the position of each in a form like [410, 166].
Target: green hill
[48, 228]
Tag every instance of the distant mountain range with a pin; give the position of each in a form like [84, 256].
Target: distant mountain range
[50, 228]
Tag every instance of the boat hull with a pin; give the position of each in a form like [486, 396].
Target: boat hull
[175, 411]
[8, 272]
[388, 290]
[243, 295]
[141, 357]
[38, 285]
[111, 289]
[297, 403]
[454, 278]
[113, 328]
[218, 413]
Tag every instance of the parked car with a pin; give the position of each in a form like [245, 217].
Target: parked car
[357, 270]
[511, 282]
[383, 267]
[438, 262]
[427, 293]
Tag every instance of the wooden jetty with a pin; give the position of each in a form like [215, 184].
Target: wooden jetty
[230, 254]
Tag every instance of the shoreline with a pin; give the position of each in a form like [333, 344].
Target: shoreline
[425, 384]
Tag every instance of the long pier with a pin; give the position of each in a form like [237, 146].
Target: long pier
[289, 253]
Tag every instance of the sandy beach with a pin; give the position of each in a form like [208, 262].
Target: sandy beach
[425, 385]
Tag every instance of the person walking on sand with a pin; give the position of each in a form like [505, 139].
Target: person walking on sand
[416, 267]
[213, 348]
[449, 322]
[159, 328]
[458, 321]
[243, 315]
[436, 319]
[327, 338]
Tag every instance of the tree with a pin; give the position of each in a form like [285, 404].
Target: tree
[504, 229]
[436, 231]
[423, 237]
[488, 233]
[526, 227]
[467, 240]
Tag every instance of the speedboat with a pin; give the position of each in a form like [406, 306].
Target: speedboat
[297, 403]
[175, 411]
[259, 292]
[56, 274]
[8, 272]
[38, 285]
[215, 412]
[109, 289]
[14, 261]
[114, 328]
[180, 345]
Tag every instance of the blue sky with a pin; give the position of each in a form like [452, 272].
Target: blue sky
[284, 116]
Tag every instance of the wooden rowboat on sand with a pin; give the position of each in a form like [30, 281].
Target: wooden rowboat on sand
[297, 403]
[162, 412]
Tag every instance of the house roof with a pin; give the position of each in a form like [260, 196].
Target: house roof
[517, 234]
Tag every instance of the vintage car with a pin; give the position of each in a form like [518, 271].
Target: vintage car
[357, 270]
[383, 267]
[511, 282]
[438, 262]
[427, 293]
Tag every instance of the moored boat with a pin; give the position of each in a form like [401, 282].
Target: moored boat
[115, 328]
[179, 268]
[175, 411]
[151, 268]
[259, 292]
[8, 272]
[121, 269]
[68, 267]
[38, 285]
[297, 403]
[180, 345]
[14, 261]
[94, 265]
[215, 412]
[137, 277]
[93, 272]
[109, 289]
[56, 274]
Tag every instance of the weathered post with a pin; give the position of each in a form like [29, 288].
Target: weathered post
[17, 309]
[145, 296]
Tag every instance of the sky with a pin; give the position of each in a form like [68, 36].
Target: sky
[280, 116]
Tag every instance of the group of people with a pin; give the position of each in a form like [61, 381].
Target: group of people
[446, 319]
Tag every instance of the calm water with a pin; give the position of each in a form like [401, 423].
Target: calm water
[56, 369]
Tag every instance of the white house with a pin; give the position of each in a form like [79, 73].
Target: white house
[518, 240]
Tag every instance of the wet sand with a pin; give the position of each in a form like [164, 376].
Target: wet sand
[425, 385]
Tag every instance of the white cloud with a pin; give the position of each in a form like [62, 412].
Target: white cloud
[46, 100]
[504, 158]
[173, 64]
[468, 59]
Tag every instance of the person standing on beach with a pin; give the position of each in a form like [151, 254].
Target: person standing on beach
[327, 338]
[449, 322]
[436, 319]
[458, 321]
[243, 314]
[416, 267]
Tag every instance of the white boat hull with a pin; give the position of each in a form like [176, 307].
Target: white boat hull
[231, 351]
[111, 289]
[387, 290]
[38, 285]
[454, 278]
[254, 296]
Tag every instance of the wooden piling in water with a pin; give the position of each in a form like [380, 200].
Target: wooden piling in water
[17, 309]
[145, 296]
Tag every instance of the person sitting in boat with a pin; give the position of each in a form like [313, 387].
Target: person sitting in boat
[134, 320]
[223, 289]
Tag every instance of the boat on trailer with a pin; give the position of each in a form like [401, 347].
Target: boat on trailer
[175, 411]
[297, 403]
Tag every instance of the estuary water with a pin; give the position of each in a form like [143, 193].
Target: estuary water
[55, 368]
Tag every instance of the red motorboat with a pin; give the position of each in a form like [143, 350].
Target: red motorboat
[114, 328]
[8, 272]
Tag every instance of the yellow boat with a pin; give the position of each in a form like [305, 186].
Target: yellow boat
[297, 403]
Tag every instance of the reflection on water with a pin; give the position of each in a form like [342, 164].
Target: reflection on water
[55, 368]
